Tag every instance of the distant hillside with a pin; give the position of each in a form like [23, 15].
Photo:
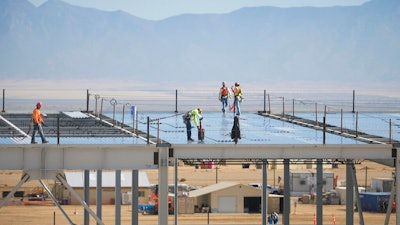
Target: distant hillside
[262, 44]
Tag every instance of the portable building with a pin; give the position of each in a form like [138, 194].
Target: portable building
[232, 197]
[305, 182]
[381, 184]
[76, 180]
[341, 191]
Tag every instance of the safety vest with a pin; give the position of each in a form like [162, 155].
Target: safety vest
[224, 91]
[237, 91]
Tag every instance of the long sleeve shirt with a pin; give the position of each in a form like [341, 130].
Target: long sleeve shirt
[195, 116]
[37, 117]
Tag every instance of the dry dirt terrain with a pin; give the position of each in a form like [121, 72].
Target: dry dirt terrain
[301, 214]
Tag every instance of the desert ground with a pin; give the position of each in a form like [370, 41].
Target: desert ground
[301, 214]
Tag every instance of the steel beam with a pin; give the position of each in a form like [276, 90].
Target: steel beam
[76, 157]
[73, 157]
[282, 151]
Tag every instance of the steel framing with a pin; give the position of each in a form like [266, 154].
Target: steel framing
[41, 161]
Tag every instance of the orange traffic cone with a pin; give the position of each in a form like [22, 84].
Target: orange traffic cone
[315, 219]
[333, 219]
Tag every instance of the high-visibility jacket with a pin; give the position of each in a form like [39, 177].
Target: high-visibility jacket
[237, 91]
[194, 115]
[37, 116]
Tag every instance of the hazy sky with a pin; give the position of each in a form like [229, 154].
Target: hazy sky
[160, 9]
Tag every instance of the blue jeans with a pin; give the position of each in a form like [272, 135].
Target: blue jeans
[37, 128]
[224, 101]
[237, 105]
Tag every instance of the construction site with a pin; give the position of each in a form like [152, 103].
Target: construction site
[124, 157]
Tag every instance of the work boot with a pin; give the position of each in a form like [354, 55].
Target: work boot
[45, 142]
[190, 139]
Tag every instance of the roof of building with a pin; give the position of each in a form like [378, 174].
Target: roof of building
[215, 187]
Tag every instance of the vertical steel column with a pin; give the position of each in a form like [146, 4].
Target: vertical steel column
[316, 114]
[286, 192]
[265, 102]
[264, 194]
[86, 195]
[395, 155]
[87, 100]
[135, 197]
[148, 130]
[118, 197]
[163, 151]
[390, 131]
[341, 120]
[391, 198]
[58, 129]
[96, 112]
[176, 101]
[99, 196]
[123, 115]
[349, 194]
[293, 110]
[354, 100]
[4, 94]
[101, 107]
[357, 194]
[356, 124]
[320, 183]
[176, 191]
[269, 104]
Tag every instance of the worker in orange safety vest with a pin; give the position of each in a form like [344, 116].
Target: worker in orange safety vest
[37, 122]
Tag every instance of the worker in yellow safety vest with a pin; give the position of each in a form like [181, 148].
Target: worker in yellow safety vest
[195, 116]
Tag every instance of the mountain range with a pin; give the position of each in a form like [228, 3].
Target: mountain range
[346, 45]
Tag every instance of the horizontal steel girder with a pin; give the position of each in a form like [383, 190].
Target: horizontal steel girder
[282, 151]
[82, 157]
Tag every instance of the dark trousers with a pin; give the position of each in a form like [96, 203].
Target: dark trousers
[189, 129]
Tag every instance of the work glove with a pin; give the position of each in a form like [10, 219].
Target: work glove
[201, 118]
[44, 125]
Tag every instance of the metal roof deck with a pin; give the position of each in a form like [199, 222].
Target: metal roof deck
[71, 127]
[255, 129]
[84, 128]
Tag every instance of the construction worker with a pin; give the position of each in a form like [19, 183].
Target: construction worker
[224, 94]
[195, 116]
[37, 121]
[237, 92]
[273, 218]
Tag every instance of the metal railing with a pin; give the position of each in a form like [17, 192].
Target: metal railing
[345, 110]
